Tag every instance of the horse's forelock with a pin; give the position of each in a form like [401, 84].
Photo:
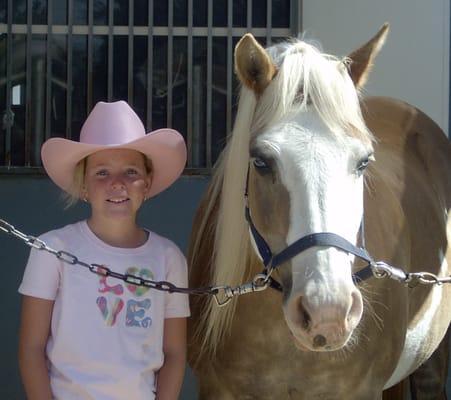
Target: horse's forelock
[306, 78]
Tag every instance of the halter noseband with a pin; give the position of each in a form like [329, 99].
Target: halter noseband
[324, 239]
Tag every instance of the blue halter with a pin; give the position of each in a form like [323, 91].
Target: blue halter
[324, 239]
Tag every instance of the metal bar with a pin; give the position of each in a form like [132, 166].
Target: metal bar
[90, 57]
[110, 50]
[48, 64]
[143, 30]
[130, 51]
[9, 116]
[170, 62]
[28, 104]
[295, 17]
[249, 15]
[209, 82]
[70, 20]
[149, 65]
[189, 108]
[229, 66]
[198, 114]
[269, 22]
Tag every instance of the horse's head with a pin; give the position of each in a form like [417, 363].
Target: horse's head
[308, 150]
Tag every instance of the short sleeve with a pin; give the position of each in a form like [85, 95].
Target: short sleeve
[176, 304]
[42, 275]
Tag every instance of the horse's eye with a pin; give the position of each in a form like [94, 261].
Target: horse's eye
[261, 165]
[363, 163]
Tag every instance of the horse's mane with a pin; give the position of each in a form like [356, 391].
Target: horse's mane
[304, 78]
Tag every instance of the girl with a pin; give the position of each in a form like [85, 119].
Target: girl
[86, 336]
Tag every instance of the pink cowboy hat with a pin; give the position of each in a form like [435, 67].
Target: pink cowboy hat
[116, 126]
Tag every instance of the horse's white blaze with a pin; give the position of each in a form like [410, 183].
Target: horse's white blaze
[324, 197]
[416, 335]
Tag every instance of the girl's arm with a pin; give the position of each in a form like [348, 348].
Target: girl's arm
[33, 335]
[170, 375]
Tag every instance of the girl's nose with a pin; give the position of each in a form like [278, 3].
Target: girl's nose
[117, 183]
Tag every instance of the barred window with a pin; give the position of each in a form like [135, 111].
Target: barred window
[171, 60]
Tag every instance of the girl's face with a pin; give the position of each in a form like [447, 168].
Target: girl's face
[116, 183]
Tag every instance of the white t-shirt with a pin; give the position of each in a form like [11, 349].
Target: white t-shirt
[106, 335]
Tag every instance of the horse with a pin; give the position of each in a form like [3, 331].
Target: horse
[310, 155]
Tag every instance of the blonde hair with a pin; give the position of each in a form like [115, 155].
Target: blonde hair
[75, 191]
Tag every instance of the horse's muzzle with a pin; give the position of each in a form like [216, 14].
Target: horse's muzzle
[323, 326]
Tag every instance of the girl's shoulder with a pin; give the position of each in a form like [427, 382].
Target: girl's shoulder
[164, 244]
[62, 235]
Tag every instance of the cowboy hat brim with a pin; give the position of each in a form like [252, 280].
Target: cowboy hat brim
[164, 147]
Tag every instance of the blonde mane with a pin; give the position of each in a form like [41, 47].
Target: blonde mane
[304, 78]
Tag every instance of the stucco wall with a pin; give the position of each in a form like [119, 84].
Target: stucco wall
[414, 63]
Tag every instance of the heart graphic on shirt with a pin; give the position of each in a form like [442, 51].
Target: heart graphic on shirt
[109, 314]
[141, 273]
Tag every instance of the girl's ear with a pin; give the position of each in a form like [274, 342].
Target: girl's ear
[148, 185]
[84, 193]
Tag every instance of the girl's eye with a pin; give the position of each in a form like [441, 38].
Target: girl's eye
[102, 172]
[132, 171]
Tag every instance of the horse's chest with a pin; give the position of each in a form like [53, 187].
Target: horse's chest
[263, 363]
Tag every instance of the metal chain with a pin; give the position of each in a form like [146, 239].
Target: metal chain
[381, 269]
[222, 294]
[64, 256]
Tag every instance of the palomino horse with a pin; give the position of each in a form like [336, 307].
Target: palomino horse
[301, 143]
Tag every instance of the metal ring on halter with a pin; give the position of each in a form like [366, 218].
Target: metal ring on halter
[260, 282]
[378, 270]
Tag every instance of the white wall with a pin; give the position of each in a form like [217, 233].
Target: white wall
[414, 63]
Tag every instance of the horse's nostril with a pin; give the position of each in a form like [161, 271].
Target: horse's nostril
[356, 309]
[305, 317]
[319, 341]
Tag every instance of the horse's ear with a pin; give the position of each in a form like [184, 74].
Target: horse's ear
[362, 58]
[252, 64]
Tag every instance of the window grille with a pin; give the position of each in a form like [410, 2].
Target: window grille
[171, 60]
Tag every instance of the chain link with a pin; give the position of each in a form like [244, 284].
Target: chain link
[98, 269]
[222, 294]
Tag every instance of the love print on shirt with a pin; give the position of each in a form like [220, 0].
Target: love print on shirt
[135, 310]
